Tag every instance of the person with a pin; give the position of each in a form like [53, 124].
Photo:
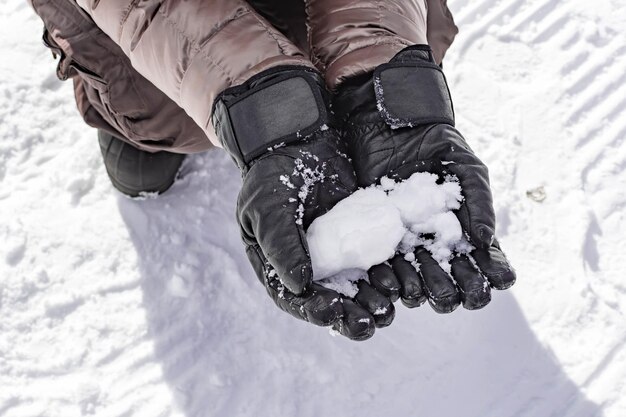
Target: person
[312, 99]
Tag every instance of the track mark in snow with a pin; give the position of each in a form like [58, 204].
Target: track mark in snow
[553, 28]
[592, 67]
[61, 305]
[613, 85]
[496, 14]
[590, 247]
[531, 20]
[473, 10]
[119, 287]
[16, 253]
[15, 242]
[8, 404]
[571, 64]
[605, 362]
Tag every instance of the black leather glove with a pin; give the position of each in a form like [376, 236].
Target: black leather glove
[294, 166]
[399, 121]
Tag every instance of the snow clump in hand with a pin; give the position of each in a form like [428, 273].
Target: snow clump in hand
[426, 210]
[360, 231]
[375, 223]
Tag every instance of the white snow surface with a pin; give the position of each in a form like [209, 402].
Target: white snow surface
[368, 227]
[116, 307]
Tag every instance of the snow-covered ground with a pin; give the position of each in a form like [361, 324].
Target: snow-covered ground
[113, 307]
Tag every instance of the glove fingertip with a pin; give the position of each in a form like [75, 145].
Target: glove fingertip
[504, 280]
[357, 324]
[414, 302]
[483, 236]
[323, 307]
[445, 305]
[477, 299]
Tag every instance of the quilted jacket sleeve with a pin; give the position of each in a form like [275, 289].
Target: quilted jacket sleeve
[194, 49]
[352, 37]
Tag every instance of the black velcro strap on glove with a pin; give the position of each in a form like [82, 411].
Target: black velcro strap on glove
[274, 108]
[411, 91]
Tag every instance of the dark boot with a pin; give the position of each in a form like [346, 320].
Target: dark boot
[133, 171]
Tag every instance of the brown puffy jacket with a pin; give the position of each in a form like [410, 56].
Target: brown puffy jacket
[149, 71]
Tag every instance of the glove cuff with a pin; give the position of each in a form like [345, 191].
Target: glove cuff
[412, 90]
[408, 91]
[274, 108]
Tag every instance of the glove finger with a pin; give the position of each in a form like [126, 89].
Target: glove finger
[322, 306]
[476, 215]
[317, 305]
[357, 323]
[443, 143]
[376, 304]
[284, 244]
[411, 289]
[495, 267]
[270, 216]
[475, 291]
[442, 293]
[384, 280]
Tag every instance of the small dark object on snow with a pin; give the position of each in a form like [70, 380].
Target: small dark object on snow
[537, 194]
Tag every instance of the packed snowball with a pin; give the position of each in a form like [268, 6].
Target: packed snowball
[373, 224]
[361, 231]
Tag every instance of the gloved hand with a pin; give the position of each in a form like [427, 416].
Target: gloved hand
[277, 129]
[399, 121]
